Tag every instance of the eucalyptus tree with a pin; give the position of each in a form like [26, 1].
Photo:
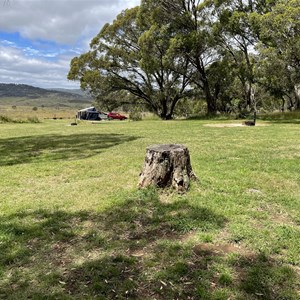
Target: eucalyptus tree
[193, 39]
[236, 34]
[134, 54]
[275, 77]
[280, 51]
[215, 35]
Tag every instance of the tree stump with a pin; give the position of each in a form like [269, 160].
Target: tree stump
[251, 123]
[167, 165]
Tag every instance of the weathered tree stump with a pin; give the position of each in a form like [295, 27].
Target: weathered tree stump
[251, 123]
[167, 165]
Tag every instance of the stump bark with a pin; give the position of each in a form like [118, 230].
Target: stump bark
[167, 165]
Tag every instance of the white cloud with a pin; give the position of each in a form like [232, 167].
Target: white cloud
[72, 23]
[62, 21]
[16, 67]
[9, 43]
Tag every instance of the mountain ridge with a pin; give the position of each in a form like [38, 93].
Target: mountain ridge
[27, 95]
[25, 90]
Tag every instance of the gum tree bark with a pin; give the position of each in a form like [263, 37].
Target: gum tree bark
[167, 166]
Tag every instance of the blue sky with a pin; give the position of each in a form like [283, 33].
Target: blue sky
[38, 38]
[37, 48]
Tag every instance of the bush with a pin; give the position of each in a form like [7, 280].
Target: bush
[33, 120]
[188, 107]
[135, 115]
[288, 115]
[35, 108]
[244, 114]
[6, 119]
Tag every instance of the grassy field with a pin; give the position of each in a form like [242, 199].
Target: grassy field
[73, 224]
[47, 101]
[23, 113]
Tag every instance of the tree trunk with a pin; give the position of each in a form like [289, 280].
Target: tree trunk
[247, 96]
[211, 106]
[297, 97]
[167, 165]
[210, 100]
[283, 104]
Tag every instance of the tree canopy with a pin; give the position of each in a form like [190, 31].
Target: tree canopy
[164, 52]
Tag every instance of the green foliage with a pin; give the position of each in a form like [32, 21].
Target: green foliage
[225, 279]
[135, 114]
[33, 120]
[110, 101]
[189, 107]
[6, 119]
[288, 117]
[280, 55]
[232, 55]
[135, 57]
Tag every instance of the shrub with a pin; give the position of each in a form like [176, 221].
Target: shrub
[33, 120]
[288, 115]
[6, 119]
[35, 108]
[135, 115]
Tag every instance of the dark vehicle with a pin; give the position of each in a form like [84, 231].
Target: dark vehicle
[116, 116]
[90, 114]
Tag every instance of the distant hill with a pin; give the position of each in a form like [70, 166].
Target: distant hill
[27, 95]
[71, 91]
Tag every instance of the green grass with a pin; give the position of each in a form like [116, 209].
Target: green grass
[73, 224]
[282, 117]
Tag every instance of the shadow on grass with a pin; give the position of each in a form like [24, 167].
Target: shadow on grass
[263, 278]
[134, 250]
[57, 147]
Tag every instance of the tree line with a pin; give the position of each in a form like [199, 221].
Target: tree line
[218, 55]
